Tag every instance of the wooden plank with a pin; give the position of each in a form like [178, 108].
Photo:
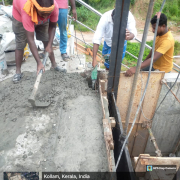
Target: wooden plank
[107, 132]
[149, 107]
[113, 122]
[131, 137]
[145, 159]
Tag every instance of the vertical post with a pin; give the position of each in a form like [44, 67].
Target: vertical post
[119, 31]
[122, 36]
[148, 19]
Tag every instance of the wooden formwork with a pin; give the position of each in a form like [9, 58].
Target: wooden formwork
[139, 136]
[108, 124]
[145, 160]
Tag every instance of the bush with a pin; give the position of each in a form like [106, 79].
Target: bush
[9, 2]
[134, 49]
[171, 9]
[177, 48]
[83, 14]
[132, 2]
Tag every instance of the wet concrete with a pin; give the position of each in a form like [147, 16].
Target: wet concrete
[66, 136]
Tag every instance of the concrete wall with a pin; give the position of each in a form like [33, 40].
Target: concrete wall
[166, 123]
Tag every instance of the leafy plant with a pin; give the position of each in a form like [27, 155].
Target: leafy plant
[132, 2]
[177, 48]
[83, 14]
[9, 2]
[134, 49]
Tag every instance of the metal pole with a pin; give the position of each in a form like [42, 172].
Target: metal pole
[176, 65]
[149, 47]
[158, 152]
[148, 19]
[89, 7]
[131, 55]
[83, 41]
[82, 24]
[3, 2]
[176, 57]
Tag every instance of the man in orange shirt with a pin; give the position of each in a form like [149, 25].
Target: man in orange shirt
[164, 49]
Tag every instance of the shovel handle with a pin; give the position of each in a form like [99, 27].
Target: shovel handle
[38, 79]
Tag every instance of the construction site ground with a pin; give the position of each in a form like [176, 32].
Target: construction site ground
[66, 136]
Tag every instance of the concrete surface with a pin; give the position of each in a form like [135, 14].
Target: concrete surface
[66, 136]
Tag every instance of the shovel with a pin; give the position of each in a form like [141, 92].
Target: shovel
[36, 85]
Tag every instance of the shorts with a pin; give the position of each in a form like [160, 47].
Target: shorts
[20, 33]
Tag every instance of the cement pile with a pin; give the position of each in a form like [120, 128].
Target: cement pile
[66, 136]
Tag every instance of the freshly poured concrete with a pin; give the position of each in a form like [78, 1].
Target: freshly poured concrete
[66, 136]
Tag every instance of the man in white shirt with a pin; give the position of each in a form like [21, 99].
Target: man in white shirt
[105, 29]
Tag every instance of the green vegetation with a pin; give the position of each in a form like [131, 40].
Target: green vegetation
[171, 9]
[7, 2]
[176, 48]
[134, 49]
[89, 18]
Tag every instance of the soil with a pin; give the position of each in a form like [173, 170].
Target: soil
[66, 136]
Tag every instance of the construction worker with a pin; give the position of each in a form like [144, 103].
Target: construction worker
[105, 29]
[164, 48]
[29, 17]
[62, 23]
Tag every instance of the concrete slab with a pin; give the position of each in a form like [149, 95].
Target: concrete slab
[66, 136]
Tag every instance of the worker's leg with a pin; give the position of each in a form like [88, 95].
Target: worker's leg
[106, 49]
[21, 40]
[62, 23]
[51, 57]
[42, 35]
[124, 49]
[106, 52]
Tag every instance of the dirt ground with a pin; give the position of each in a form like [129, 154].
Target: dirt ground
[66, 136]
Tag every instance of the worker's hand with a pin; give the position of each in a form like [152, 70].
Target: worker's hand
[39, 67]
[94, 63]
[127, 35]
[74, 14]
[49, 49]
[130, 71]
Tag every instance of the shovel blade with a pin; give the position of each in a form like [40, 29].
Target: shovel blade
[39, 104]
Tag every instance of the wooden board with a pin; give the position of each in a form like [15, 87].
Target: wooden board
[139, 136]
[145, 159]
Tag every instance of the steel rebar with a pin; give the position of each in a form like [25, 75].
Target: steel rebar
[148, 19]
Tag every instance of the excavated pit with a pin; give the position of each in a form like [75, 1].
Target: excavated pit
[66, 136]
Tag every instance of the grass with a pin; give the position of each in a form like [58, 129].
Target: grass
[176, 48]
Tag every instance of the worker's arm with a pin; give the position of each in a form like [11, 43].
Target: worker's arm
[149, 55]
[100, 31]
[33, 48]
[51, 31]
[144, 64]
[131, 26]
[95, 50]
[74, 9]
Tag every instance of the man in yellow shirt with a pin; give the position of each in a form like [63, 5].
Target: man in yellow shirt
[164, 49]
